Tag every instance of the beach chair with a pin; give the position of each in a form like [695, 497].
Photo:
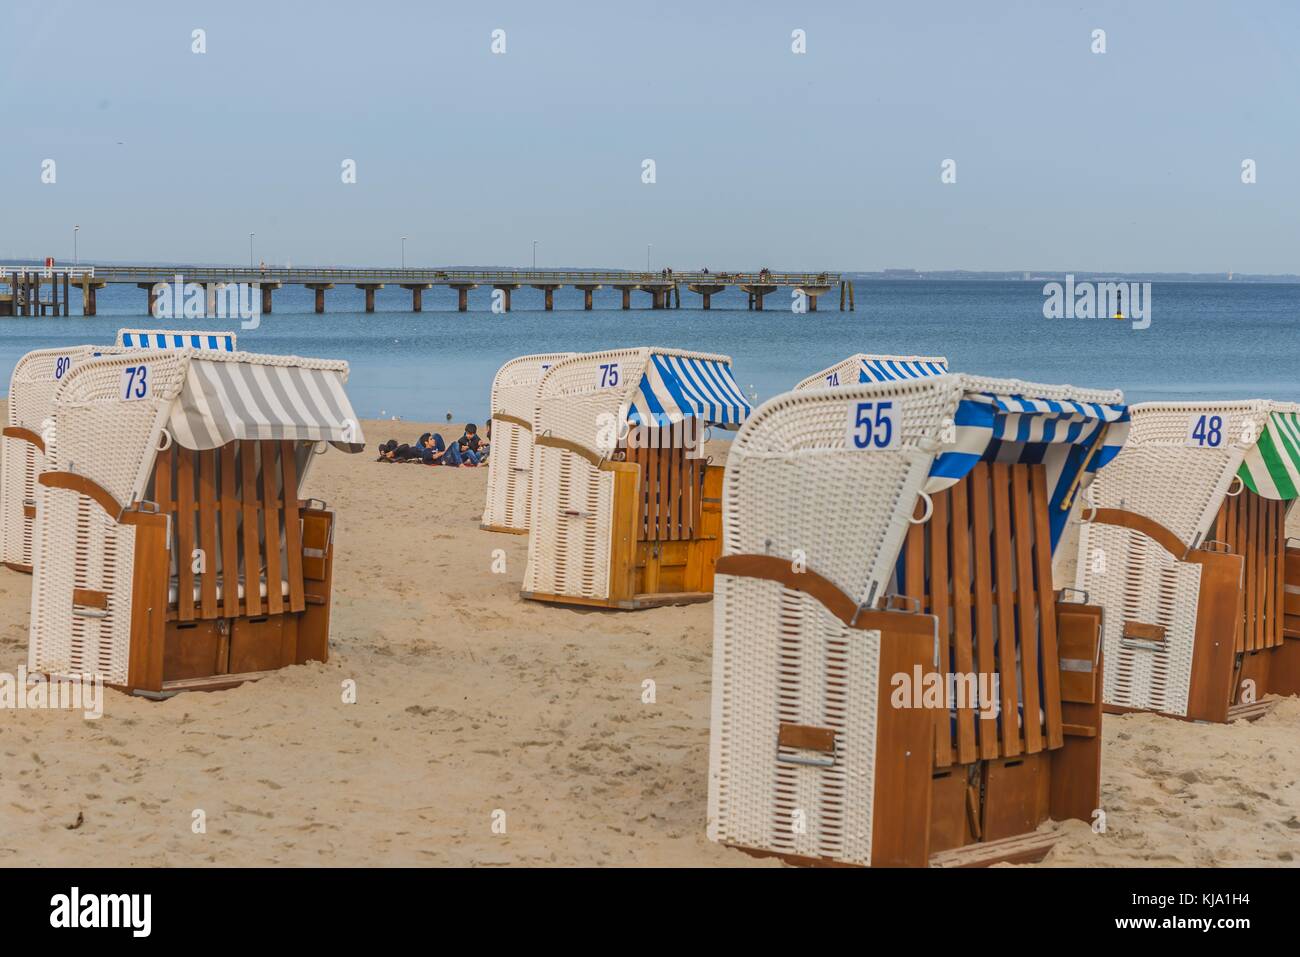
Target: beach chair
[626, 507]
[22, 447]
[172, 551]
[1184, 542]
[514, 399]
[895, 681]
[865, 367]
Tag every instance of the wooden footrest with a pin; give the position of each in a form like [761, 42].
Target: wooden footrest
[1253, 711]
[1021, 849]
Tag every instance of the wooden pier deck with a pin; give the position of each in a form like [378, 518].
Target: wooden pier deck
[26, 284]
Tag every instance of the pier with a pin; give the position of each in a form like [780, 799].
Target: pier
[26, 285]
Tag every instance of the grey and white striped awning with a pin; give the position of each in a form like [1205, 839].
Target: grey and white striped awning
[222, 400]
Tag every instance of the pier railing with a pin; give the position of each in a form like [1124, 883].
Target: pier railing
[565, 277]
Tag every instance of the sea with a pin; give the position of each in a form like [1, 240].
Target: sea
[1214, 341]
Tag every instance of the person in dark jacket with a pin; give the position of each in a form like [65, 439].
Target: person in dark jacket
[431, 449]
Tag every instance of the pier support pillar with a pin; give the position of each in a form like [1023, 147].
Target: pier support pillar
[370, 288]
[627, 297]
[506, 289]
[706, 292]
[417, 294]
[89, 305]
[320, 288]
[549, 289]
[152, 289]
[756, 294]
[266, 299]
[587, 290]
[462, 295]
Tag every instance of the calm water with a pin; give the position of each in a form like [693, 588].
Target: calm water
[1223, 341]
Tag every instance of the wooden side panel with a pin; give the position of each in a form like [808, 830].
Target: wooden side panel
[904, 761]
[1076, 766]
[312, 639]
[148, 602]
[623, 533]
[1219, 613]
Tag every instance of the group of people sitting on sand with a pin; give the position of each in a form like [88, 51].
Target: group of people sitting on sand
[429, 449]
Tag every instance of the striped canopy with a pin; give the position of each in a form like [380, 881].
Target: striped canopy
[679, 387]
[1067, 437]
[176, 339]
[895, 368]
[1271, 467]
[247, 397]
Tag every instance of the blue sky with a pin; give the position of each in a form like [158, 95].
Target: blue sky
[1066, 159]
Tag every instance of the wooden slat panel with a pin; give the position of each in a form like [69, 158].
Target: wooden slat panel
[963, 652]
[207, 542]
[185, 534]
[982, 556]
[1008, 680]
[252, 550]
[292, 528]
[941, 609]
[691, 493]
[1050, 662]
[676, 462]
[271, 527]
[229, 532]
[1025, 609]
[162, 480]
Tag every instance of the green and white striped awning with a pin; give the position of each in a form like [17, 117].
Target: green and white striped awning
[1271, 467]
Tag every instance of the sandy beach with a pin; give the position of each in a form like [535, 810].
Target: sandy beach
[471, 701]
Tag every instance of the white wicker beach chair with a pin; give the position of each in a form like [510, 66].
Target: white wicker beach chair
[625, 509]
[1184, 544]
[22, 448]
[171, 549]
[877, 537]
[865, 367]
[514, 400]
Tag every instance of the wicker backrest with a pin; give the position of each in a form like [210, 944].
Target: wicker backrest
[1160, 475]
[514, 396]
[793, 488]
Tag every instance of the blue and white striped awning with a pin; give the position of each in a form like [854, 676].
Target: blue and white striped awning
[896, 368]
[1065, 436]
[679, 387]
[173, 339]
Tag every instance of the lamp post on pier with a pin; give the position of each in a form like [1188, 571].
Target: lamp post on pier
[76, 260]
[250, 250]
[403, 252]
